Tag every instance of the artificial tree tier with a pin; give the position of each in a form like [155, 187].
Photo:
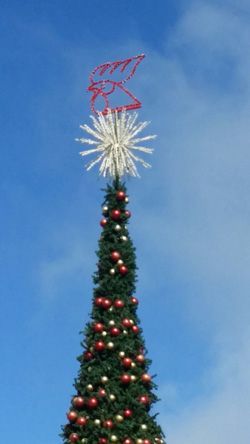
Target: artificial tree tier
[114, 392]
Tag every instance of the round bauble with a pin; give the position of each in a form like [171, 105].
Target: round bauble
[101, 393]
[108, 424]
[106, 303]
[113, 438]
[112, 271]
[124, 238]
[115, 256]
[87, 356]
[112, 323]
[119, 418]
[139, 441]
[103, 222]
[127, 441]
[118, 227]
[104, 379]
[135, 329]
[90, 387]
[92, 403]
[81, 421]
[120, 195]
[123, 270]
[126, 322]
[126, 362]
[83, 440]
[144, 399]
[104, 333]
[127, 413]
[110, 345]
[100, 346]
[105, 209]
[74, 437]
[72, 416]
[134, 300]
[126, 199]
[145, 378]
[127, 214]
[114, 331]
[98, 327]
[133, 378]
[102, 440]
[144, 426]
[140, 359]
[120, 262]
[125, 332]
[146, 441]
[125, 379]
[99, 301]
[97, 422]
[121, 354]
[115, 214]
[112, 397]
[78, 402]
[133, 365]
[118, 303]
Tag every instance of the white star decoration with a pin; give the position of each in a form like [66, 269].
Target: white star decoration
[115, 140]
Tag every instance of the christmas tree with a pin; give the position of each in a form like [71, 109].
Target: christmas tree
[114, 392]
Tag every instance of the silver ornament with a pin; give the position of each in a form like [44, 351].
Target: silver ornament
[112, 397]
[144, 427]
[104, 333]
[105, 210]
[126, 199]
[112, 271]
[104, 379]
[112, 322]
[120, 262]
[110, 345]
[97, 422]
[124, 238]
[118, 227]
[90, 387]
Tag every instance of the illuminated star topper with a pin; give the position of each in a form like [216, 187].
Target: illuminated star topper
[110, 78]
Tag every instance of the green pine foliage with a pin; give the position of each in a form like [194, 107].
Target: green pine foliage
[114, 393]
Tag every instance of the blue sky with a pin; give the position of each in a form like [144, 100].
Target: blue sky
[190, 219]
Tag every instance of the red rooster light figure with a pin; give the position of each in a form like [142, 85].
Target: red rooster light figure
[105, 79]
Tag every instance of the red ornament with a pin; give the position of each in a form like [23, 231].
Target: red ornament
[135, 329]
[101, 393]
[146, 441]
[126, 322]
[115, 256]
[127, 213]
[125, 378]
[123, 270]
[108, 424]
[72, 416]
[100, 346]
[102, 440]
[92, 403]
[87, 356]
[120, 195]
[126, 362]
[114, 331]
[99, 301]
[103, 222]
[119, 303]
[127, 441]
[73, 437]
[140, 358]
[98, 327]
[146, 378]
[127, 413]
[81, 421]
[110, 77]
[134, 300]
[106, 304]
[78, 402]
[144, 399]
[115, 214]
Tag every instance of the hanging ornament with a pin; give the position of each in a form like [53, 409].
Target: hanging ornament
[115, 331]
[90, 387]
[112, 397]
[133, 378]
[139, 441]
[105, 209]
[98, 327]
[127, 214]
[115, 214]
[125, 332]
[112, 271]
[135, 329]
[106, 303]
[89, 369]
[92, 403]
[78, 402]
[102, 440]
[97, 422]
[74, 437]
[127, 413]
[146, 441]
[118, 227]
[144, 399]
[131, 321]
[81, 421]
[113, 438]
[144, 426]
[133, 365]
[140, 359]
[87, 356]
[100, 346]
[99, 301]
[104, 333]
[120, 195]
[115, 256]
[101, 393]
[146, 378]
[127, 362]
[115, 138]
[126, 199]
[125, 378]
[126, 323]
[118, 303]
[72, 416]
[124, 238]
[103, 222]
[127, 441]
[123, 270]
[112, 322]
[119, 418]
[110, 345]
[120, 262]
[121, 354]
[108, 424]
[83, 440]
[134, 300]
[104, 379]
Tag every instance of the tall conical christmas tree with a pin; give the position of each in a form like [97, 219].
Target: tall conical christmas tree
[113, 391]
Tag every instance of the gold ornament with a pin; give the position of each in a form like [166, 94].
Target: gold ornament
[122, 354]
[112, 271]
[119, 418]
[112, 322]
[97, 422]
[104, 379]
[144, 427]
[105, 209]
[125, 332]
[104, 333]
[131, 321]
[133, 378]
[126, 199]
[110, 345]
[139, 441]
[112, 397]
[120, 262]
[133, 364]
[124, 238]
[89, 387]
[118, 227]
[113, 438]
